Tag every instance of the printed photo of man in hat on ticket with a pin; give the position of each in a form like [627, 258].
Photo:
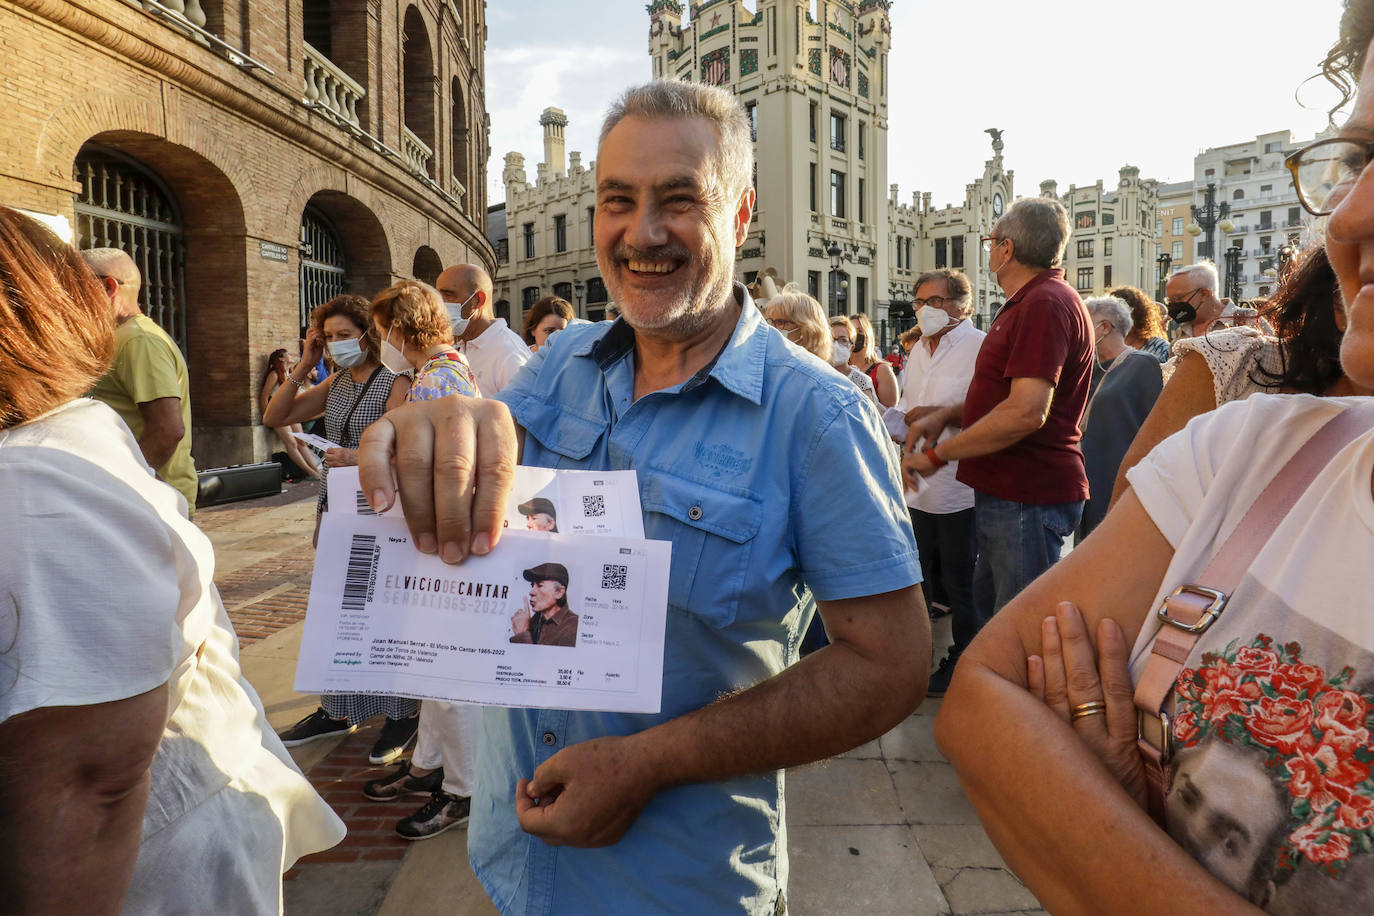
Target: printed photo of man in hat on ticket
[540, 515]
[544, 619]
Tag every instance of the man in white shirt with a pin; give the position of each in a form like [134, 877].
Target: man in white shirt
[1192, 301]
[494, 351]
[444, 763]
[937, 374]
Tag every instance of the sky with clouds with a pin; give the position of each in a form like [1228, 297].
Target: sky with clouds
[1079, 87]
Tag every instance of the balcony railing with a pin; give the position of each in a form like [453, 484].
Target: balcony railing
[328, 86]
[416, 153]
[455, 187]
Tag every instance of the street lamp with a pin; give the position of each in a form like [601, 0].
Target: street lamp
[1233, 274]
[1164, 261]
[579, 290]
[836, 256]
[1210, 217]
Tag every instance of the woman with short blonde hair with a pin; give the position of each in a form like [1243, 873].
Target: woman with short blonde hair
[842, 337]
[801, 320]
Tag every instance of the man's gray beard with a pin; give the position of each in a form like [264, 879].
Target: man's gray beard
[690, 315]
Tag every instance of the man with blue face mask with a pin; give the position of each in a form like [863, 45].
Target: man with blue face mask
[494, 351]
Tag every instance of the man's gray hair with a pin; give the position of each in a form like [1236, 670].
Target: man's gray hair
[1113, 310]
[669, 99]
[1038, 228]
[1202, 274]
[956, 286]
[113, 262]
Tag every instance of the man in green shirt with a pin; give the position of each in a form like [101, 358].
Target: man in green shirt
[147, 382]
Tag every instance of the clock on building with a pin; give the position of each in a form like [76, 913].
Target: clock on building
[997, 204]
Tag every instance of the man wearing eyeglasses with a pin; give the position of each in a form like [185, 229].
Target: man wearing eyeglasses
[1018, 447]
[937, 375]
[1191, 298]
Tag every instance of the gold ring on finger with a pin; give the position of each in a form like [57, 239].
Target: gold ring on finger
[1083, 710]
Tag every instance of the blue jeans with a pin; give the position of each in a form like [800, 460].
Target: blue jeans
[1016, 543]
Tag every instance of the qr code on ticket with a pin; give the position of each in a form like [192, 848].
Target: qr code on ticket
[613, 576]
[594, 506]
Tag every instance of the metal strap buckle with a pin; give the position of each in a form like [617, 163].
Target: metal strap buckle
[1165, 745]
[1209, 616]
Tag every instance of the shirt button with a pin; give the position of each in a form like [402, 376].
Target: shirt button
[550, 738]
[694, 513]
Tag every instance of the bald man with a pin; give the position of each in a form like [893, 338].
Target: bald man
[147, 383]
[494, 351]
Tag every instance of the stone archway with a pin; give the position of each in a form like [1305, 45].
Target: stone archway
[427, 265]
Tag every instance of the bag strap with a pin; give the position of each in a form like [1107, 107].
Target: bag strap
[1191, 609]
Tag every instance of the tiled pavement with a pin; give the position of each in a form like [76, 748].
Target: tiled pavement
[883, 829]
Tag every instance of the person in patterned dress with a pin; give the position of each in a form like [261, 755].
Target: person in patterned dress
[350, 400]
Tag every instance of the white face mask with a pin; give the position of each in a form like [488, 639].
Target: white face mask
[932, 320]
[394, 359]
[455, 315]
[840, 354]
[346, 353]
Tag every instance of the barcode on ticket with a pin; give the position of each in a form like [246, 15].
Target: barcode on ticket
[613, 576]
[363, 507]
[362, 567]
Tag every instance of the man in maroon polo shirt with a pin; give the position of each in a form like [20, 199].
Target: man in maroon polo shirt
[1019, 446]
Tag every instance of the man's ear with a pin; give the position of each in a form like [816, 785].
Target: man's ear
[111, 286]
[744, 212]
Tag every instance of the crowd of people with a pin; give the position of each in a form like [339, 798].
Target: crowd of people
[1185, 689]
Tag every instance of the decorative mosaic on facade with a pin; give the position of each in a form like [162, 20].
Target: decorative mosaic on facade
[863, 84]
[748, 61]
[839, 67]
[715, 67]
[813, 60]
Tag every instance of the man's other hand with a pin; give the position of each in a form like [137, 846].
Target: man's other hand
[588, 794]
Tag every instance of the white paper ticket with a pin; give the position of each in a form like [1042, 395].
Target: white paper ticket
[316, 442]
[542, 499]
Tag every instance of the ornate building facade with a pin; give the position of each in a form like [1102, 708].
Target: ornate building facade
[254, 160]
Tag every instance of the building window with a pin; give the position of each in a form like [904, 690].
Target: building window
[563, 291]
[1266, 189]
[1177, 252]
[941, 253]
[860, 293]
[813, 187]
[1265, 242]
[837, 194]
[1266, 219]
[837, 126]
[1107, 275]
[1107, 248]
[1085, 279]
[1238, 194]
[1294, 216]
[899, 252]
[528, 297]
[862, 128]
[861, 200]
[591, 225]
[1085, 248]
[529, 240]
[1273, 147]
[908, 254]
[1209, 173]
[813, 122]
[956, 252]
[560, 233]
[1178, 225]
[753, 111]
[813, 284]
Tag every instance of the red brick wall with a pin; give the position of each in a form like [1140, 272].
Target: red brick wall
[241, 155]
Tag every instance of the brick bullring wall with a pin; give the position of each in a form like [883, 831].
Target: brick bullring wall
[242, 155]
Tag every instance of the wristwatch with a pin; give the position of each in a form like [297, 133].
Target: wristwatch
[929, 452]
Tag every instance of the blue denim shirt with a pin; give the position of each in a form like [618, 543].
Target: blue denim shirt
[771, 475]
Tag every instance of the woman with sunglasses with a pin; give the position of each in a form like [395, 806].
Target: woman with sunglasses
[1268, 770]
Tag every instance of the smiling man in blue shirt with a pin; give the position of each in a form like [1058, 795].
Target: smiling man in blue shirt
[741, 442]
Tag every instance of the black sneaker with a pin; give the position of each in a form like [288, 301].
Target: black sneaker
[939, 681]
[399, 783]
[396, 735]
[938, 610]
[440, 813]
[319, 724]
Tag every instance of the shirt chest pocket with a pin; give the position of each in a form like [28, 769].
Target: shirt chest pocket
[713, 534]
[568, 436]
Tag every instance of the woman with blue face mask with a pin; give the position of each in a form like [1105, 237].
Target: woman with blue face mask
[351, 399]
